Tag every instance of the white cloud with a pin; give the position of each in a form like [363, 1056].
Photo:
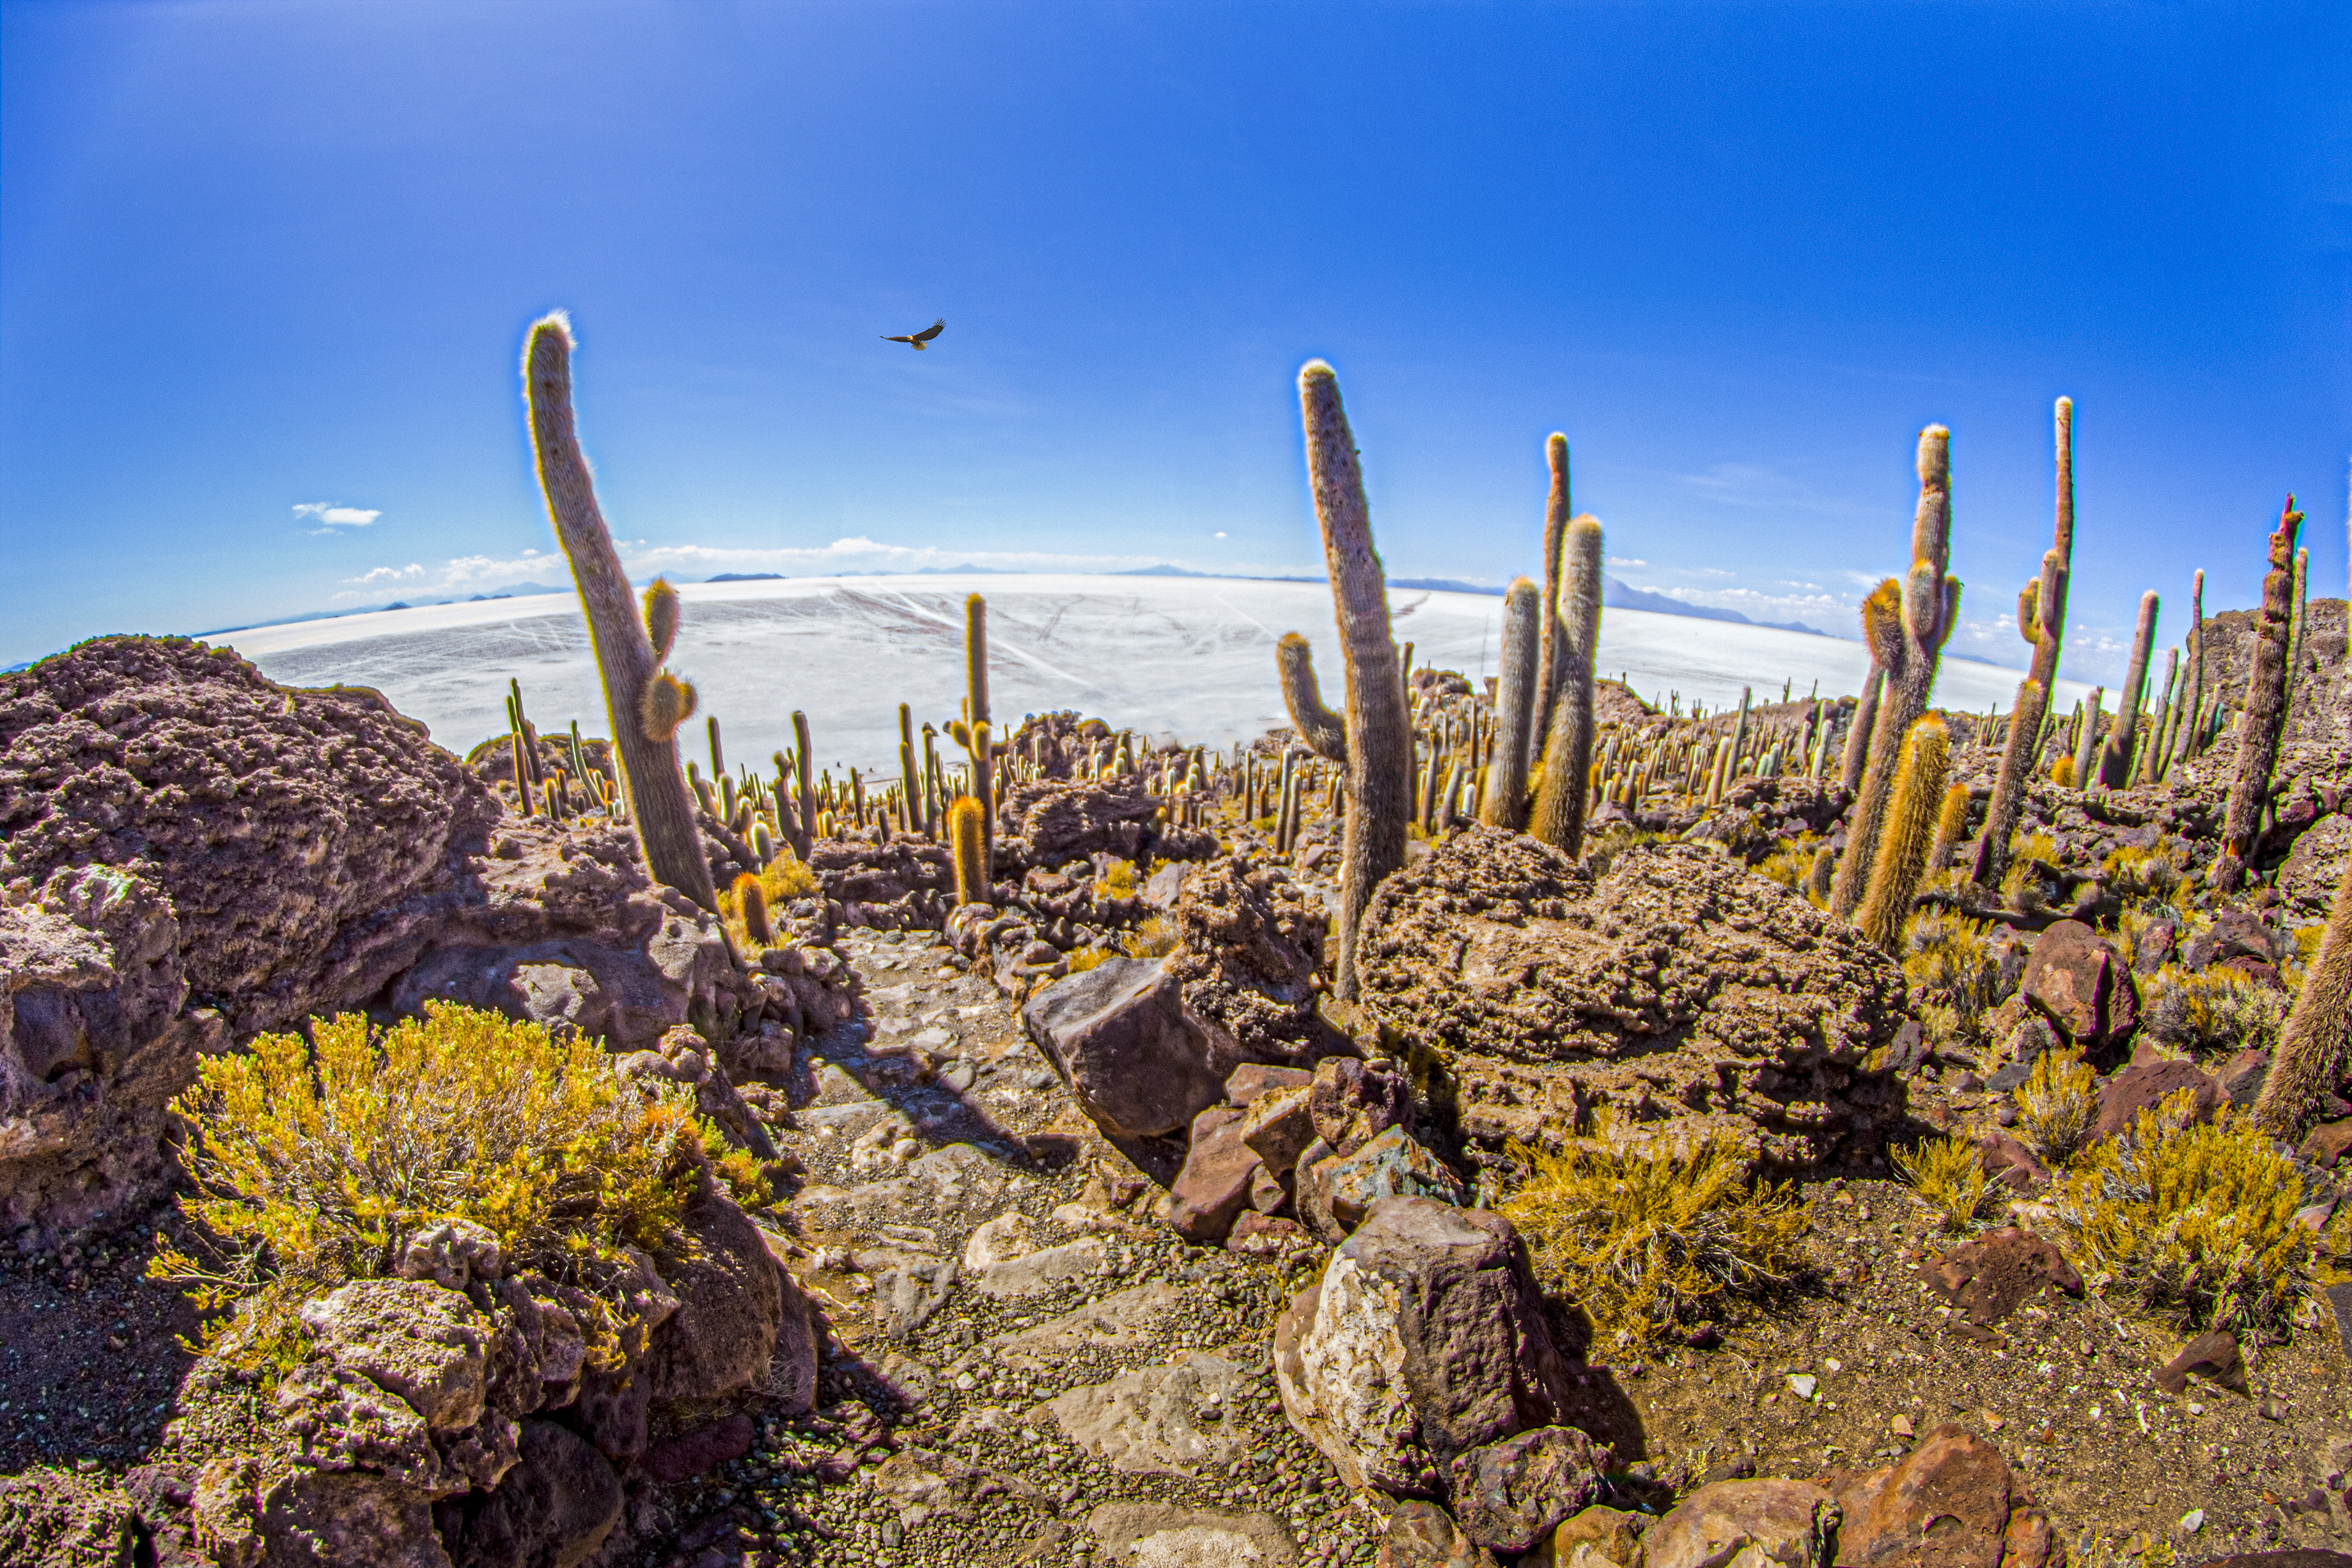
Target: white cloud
[336, 516]
[1614, 561]
[388, 574]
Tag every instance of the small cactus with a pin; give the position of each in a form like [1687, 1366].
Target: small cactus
[1909, 829]
[2115, 761]
[662, 617]
[663, 706]
[965, 842]
[2264, 718]
[1882, 629]
[754, 901]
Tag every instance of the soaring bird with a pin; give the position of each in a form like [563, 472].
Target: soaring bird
[921, 340]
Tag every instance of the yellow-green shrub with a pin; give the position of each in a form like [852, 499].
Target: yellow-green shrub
[1949, 955]
[2132, 873]
[1950, 1179]
[2034, 846]
[1116, 882]
[1644, 1235]
[2057, 1104]
[1155, 938]
[781, 880]
[314, 1162]
[2198, 1217]
[1790, 863]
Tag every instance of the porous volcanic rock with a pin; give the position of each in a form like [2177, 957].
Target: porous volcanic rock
[272, 817]
[1056, 820]
[1675, 986]
[1250, 944]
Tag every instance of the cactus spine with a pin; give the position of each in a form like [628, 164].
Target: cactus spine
[1566, 793]
[1505, 803]
[1380, 738]
[658, 802]
[967, 842]
[2315, 1049]
[2040, 621]
[2116, 764]
[1903, 845]
[1324, 732]
[2260, 726]
[1931, 602]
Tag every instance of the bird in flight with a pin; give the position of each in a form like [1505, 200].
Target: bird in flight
[921, 340]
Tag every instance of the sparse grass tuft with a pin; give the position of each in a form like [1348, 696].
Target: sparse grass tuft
[1950, 956]
[314, 1163]
[1646, 1235]
[1116, 882]
[2035, 846]
[2132, 873]
[781, 881]
[2199, 1218]
[2213, 1010]
[1081, 959]
[2057, 1104]
[1949, 1178]
[1790, 863]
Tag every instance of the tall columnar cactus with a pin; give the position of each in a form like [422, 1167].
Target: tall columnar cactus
[1551, 659]
[2315, 1049]
[1909, 831]
[1881, 634]
[1379, 737]
[966, 840]
[2193, 708]
[1324, 732]
[1504, 801]
[804, 803]
[976, 716]
[2264, 718]
[918, 820]
[2086, 742]
[640, 698]
[2115, 762]
[1931, 604]
[1564, 796]
[2042, 622]
[2157, 755]
[2294, 631]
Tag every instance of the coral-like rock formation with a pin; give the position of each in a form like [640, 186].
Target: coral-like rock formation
[1675, 985]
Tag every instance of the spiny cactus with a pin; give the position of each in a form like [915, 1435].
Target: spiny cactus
[804, 802]
[1881, 634]
[753, 899]
[2086, 741]
[1951, 821]
[1910, 828]
[2042, 622]
[1931, 604]
[2156, 756]
[662, 617]
[2259, 727]
[1565, 795]
[2294, 630]
[976, 716]
[2315, 1049]
[659, 805]
[1324, 732]
[965, 842]
[1505, 802]
[2115, 761]
[1380, 738]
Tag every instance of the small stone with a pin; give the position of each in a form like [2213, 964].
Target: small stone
[1804, 1384]
[2192, 1521]
[1993, 1423]
[1902, 1427]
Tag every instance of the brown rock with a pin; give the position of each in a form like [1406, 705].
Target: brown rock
[1952, 1504]
[1510, 1495]
[1213, 1188]
[551, 1510]
[2009, 1161]
[2144, 1087]
[1675, 984]
[1596, 1538]
[1393, 1164]
[58, 1517]
[1276, 1127]
[2329, 1144]
[1994, 1275]
[2078, 981]
[1354, 1102]
[2233, 934]
[1786, 1524]
[1425, 1336]
[1256, 1235]
[1423, 1535]
[2212, 1357]
[703, 1448]
[1137, 1060]
[1251, 1079]
[1251, 945]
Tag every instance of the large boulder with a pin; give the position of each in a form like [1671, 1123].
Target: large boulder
[1787, 1524]
[1425, 1338]
[1139, 1061]
[1675, 985]
[1056, 820]
[2076, 980]
[1952, 1504]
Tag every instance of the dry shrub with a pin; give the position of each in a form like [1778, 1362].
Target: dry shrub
[314, 1163]
[2198, 1217]
[2132, 873]
[2057, 1104]
[1155, 938]
[1081, 959]
[1644, 1235]
[1791, 862]
[781, 880]
[1949, 1178]
[2212, 1010]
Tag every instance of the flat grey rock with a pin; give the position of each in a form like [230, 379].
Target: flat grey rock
[1175, 1419]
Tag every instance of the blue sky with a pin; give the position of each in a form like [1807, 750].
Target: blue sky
[266, 268]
